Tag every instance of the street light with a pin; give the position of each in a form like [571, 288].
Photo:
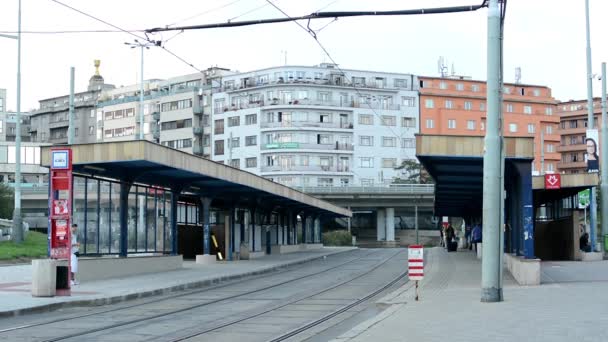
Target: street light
[142, 45]
[17, 221]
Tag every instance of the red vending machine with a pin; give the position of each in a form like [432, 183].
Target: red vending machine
[60, 210]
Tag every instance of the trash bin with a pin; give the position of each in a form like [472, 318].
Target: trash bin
[44, 277]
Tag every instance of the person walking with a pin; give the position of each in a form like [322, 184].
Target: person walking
[476, 235]
[75, 254]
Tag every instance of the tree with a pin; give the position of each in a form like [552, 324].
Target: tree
[415, 173]
[7, 202]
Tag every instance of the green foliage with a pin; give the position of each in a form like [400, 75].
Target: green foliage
[7, 202]
[416, 174]
[337, 238]
[34, 246]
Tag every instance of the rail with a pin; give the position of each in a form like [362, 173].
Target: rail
[393, 188]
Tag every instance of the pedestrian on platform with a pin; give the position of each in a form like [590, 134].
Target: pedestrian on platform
[75, 254]
[476, 235]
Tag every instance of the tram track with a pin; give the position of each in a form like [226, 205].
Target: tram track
[176, 296]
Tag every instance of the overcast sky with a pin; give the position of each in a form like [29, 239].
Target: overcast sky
[546, 38]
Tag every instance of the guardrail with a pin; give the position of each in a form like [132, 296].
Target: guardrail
[393, 188]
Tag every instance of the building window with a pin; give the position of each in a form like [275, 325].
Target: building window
[367, 182]
[475, 87]
[304, 160]
[400, 83]
[512, 127]
[175, 105]
[429, 103]
[169, 125]
[365, 119]
[451, 124]
[206, 140]
[234, 121]
[550, 148]
[550, 167]
[325, 182]
[536, 92]
[549, 129]
[408, 122]
[548, 110]
[91, 129]
[251, 119]
[509, 108]
[234, 142]
[527, 109]
[366, 162]
[218, 126]
[388, 120]
[389, 163]
[482, 125]
[471, 124]
[388, 141]
[430, 123]
[482, 106]
[236, 163]
[251, 140]
[506, 90]
[219, 147]
[468, 105]
[408, 101]
[251, 162]
[449, 104]
[531, 128]
[460, 86]
[366, 140]
[443, 85]
[408, 143]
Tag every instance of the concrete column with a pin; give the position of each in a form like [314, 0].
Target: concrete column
[390, 224]
[380, 225]
[317, 234]
[124, 223]
[253, 213]
[304, 227]
[242, 223]
[174, 197]
[231, 229]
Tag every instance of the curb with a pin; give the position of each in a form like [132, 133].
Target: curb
[162, 291]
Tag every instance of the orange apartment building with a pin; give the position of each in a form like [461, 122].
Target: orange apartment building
[573, 127]
[456, 105]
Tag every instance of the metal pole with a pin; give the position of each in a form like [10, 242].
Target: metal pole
[590, 125]
[71, 109]
[492, 182]
[17, 222]
[141, 95]
[604, 162]
[416, 223]
[542, 150]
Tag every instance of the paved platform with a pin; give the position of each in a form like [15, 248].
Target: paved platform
[569, 305]
[15, 282]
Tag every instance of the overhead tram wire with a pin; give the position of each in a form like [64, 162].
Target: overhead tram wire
[157, 43]
[204, 12]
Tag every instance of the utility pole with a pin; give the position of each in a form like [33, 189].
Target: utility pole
[142, 45]
[492, 164]
[71, 109]
[590, 125]
[604, 162]
[17, 220]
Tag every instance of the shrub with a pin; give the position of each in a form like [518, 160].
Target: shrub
[337, 238]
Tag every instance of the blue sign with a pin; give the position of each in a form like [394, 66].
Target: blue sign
[60, 160]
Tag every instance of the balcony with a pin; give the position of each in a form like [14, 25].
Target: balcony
[306, 168]
[298, 124]
[156, 115]
[197, 130]
[197, 149]
[567, 131]
[155, 131]
[572, 165]
[307, 146]
[572, 148]
[59, 124]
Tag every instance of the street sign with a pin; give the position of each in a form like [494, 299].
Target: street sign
[583, 198]
[415, 254]
[553, 181]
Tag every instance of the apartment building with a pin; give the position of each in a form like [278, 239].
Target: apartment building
[50, 122]
[456, 105]
[316, 126]
[573, 128]
[8, 122]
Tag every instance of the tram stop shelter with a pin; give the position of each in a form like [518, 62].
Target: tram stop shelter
[130, 197]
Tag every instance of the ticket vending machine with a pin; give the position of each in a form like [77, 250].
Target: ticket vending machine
[60, 210]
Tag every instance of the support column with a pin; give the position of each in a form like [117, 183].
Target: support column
[205, 218]
[252, 213]
[380, 225]
[174, 197]
[390, 224]
[231, 229]
[278, 226]
[124, 223]
[317, 235]
[525, 188]
[304, 227]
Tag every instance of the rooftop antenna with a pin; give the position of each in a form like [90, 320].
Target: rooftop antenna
[518, 75]
[453, 70]
[441, 67]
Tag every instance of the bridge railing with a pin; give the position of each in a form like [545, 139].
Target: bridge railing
[393, 188]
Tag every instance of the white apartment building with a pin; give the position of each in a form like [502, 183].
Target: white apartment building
[316, 126]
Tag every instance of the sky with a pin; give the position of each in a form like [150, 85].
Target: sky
[545, 38]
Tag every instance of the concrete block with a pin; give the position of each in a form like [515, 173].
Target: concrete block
[525, 271]
[593, 256]
[44, 277]
[206, 259]
[115, 267]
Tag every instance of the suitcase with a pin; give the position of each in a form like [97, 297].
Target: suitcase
[452, 246]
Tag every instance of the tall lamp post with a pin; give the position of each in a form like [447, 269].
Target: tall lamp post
[142, 45]
[17, 221]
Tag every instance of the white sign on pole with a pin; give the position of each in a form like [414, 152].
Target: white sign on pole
[415, 255]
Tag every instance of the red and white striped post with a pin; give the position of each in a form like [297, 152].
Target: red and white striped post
[415, 254]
